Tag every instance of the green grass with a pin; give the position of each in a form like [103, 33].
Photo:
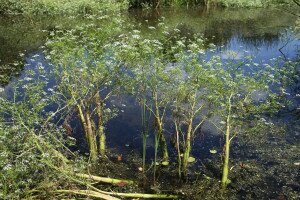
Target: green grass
[252, 3]
[223, 3]
[55, 7]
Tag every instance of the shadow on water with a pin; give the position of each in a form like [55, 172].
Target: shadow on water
[252, 26]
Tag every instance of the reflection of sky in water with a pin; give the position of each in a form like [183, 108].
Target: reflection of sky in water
[288, 45]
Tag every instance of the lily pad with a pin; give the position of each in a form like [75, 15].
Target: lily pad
[191, 159]
[212, 151]
[165, 163]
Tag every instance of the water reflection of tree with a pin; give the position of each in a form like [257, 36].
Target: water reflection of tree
[19, 34]
[254, 27]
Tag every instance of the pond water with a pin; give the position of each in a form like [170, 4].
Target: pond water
[264, 33]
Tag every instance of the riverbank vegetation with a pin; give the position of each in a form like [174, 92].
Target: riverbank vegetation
[54, 118]
[209, 3]
[83, 7]
[60, 7]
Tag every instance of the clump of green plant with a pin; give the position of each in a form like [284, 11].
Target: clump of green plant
[35, 160]
[246, 96]
[149, 80]
[237, 90]
[28, 135]
[191, 99]
[87, 75]
[166, 75]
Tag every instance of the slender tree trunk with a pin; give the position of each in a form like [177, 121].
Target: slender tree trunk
[227, 148]
[91, 138]
[178, 148]
[101, 133]
[144, 133]
[82, 118]
[88, 131]
[187, 148]
[226, 159]
[102, 141]
[162, 139]
[160, 132]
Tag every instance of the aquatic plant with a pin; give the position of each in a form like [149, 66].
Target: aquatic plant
[87, 76]
[35, 160]
[245, 95]
[192, 97]
[149, 78]
[32, 112]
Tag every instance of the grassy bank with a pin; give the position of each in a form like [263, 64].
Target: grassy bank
[252, 3]
[222, 3]
[74, 7]
[59, 7]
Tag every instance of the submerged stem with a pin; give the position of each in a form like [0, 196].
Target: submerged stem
[159, 130]
[144, 133]
[91, 138]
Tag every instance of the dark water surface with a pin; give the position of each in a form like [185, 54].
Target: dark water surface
[263, 33]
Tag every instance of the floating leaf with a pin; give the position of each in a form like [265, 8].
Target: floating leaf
[191, 159]
[165, 163]
[213, 151]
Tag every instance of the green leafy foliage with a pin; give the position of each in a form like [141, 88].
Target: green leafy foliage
[28, 138]
[58, 7]
[226, 3]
